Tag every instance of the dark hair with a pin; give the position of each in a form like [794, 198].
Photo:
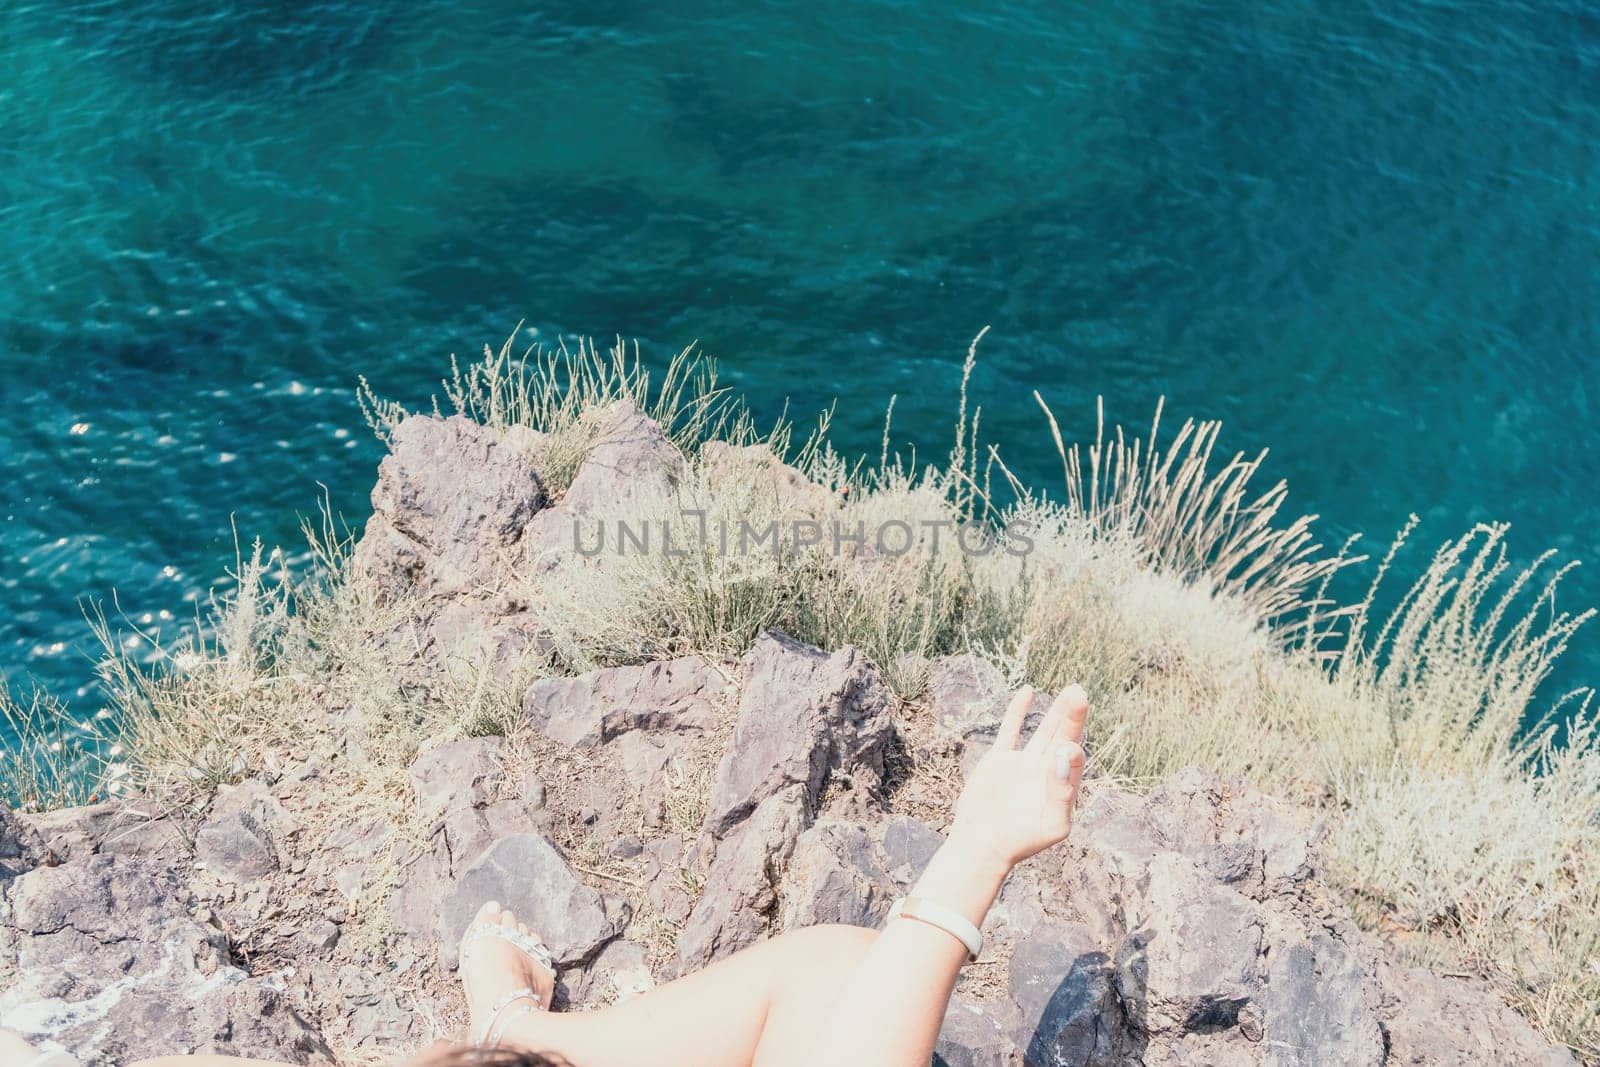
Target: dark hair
[470, 1056]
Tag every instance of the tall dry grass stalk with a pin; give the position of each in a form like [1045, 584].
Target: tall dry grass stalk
[551, 391]
[204, 710]
[1193, 518]
[52, 760]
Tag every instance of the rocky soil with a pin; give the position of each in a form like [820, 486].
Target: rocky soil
[649, 819]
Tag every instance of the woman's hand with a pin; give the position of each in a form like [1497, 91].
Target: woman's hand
[1019, 800]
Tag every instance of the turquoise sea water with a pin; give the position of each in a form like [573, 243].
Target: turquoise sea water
[1365, 237]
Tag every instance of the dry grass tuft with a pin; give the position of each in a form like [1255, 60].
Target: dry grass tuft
[553, 392]
[1191, 519]
[54, 761]
[215, 705]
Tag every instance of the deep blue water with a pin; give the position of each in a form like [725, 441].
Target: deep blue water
[1365, 237]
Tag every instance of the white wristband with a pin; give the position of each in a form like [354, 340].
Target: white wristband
[949, 920]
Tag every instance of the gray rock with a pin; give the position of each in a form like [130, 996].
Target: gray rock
[21, 847]
[625, 847]
[836, 876]
[975, 1035]
[647, 764]
[1242, 837]
[140, 835]
[450, 504]
[905, 846]
[460, 834]
[1317, 1000]
[593, 708]
[235, 848]
[1068, 1011]
[235, 842]
[525, 873]
[470, 633]
[1110, 853]
[1433, 1020]
[526, 442]
[794, 493]
[850, 872]
[1187, 927]
[460, 772]
[1190, 960]
[130, 827]
[1016, 912]
[533, 791]
[965, 692]
[667, 879]
[372, 1013]
[111, 966]
[739, 903]
[803, 716]
[620, 971]
[319, 935]
[253, 1018]
[630, 459]
[1225, 948]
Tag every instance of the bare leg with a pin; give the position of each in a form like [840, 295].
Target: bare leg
[760, 1007]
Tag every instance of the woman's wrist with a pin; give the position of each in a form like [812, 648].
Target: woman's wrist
[966, 875]
[977, 851]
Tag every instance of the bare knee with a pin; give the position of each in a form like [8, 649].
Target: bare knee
[835, 945]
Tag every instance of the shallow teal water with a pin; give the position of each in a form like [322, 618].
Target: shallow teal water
[1366, 239]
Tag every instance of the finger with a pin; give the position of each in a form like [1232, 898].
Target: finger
[1011, 725]
[1070, 760]
[1074, 705]
[1045, 738]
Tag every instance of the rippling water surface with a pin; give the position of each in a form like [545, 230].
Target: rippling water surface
[1366, 239]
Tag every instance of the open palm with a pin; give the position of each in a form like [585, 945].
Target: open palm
[1019, 798]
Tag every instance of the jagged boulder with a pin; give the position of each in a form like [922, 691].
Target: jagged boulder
[845, 871]
[467, 772]
[469, 806]
[965, 693]
[128, 827]
[738, 905]
[597, 707]
[804, 715]
[975, 1035]
[1068, 1010]
[630, 460]
[20, 844]
[805, 720]
[792, 492]
[1227, 947]
[451, 503]
[450, 512]
[527, 874]
[236, 841]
